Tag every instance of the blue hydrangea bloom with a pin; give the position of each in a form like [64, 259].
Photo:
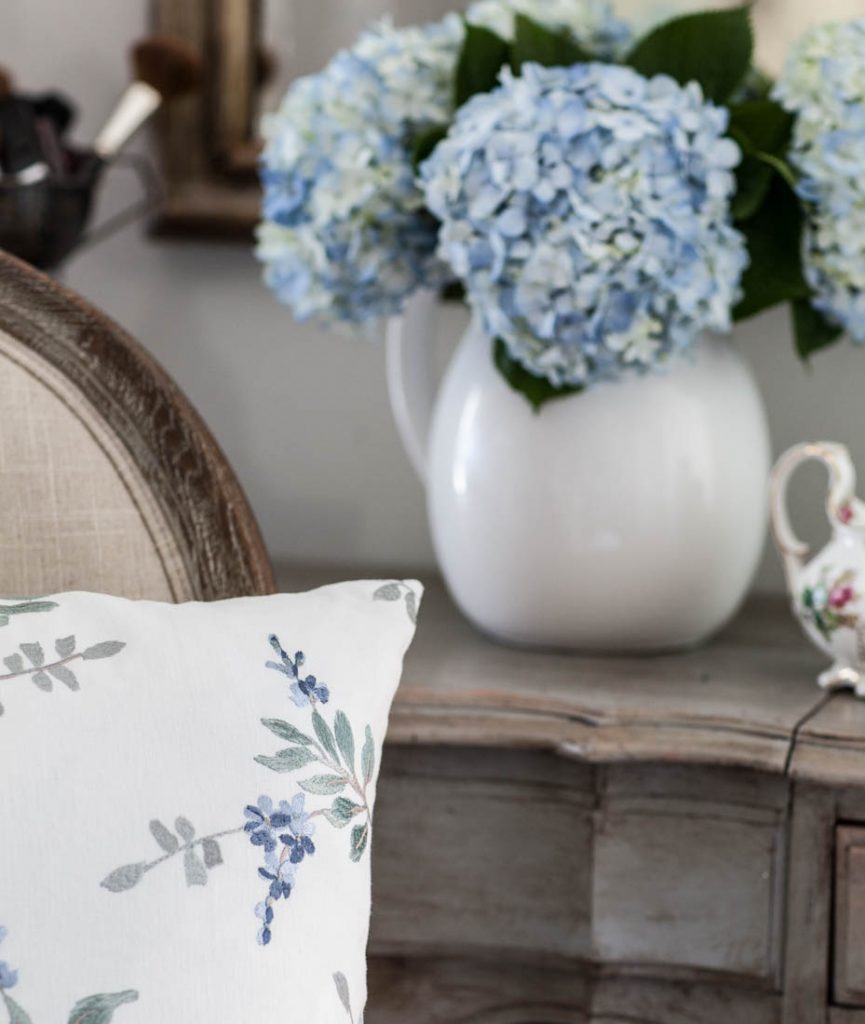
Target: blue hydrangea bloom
[823, 83]
[591, 22]
[8, 976]
[345, 236]
[587, 210]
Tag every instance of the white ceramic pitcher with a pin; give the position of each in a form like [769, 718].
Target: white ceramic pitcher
[628, 518]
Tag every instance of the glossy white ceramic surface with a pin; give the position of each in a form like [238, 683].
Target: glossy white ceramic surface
[628, 518]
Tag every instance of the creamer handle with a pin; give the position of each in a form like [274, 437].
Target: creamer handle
[411, 379]
[839, 497]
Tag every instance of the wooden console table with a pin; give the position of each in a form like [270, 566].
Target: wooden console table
[668, 840]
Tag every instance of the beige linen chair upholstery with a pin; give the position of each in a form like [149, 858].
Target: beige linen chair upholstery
[109, 480]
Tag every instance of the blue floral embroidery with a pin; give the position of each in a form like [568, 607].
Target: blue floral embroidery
[303, 691]
[8, 977]
[283, 831]
[99, 1008]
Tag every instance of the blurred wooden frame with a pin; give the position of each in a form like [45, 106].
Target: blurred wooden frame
[207, 141]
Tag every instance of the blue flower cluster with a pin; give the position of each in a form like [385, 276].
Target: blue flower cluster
[303, 691]
[824, 85]
[285, 835]
[592, 22]
[8, 977]
[587, 210]
[345, 235]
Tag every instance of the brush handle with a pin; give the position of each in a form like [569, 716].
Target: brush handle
[136, 105]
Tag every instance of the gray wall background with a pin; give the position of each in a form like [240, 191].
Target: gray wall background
[303, 415]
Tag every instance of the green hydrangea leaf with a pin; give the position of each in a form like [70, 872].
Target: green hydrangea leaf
[426, 142]
[713, 48]
[537, 43]
[537, 391]
[774, 238]
[811, 330]
[481, 58]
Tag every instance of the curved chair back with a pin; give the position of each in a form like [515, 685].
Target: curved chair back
[109, 479]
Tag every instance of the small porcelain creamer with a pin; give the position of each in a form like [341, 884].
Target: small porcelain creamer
[828, 590]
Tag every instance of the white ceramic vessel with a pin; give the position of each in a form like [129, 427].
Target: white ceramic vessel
[631, 517]
[828, 590]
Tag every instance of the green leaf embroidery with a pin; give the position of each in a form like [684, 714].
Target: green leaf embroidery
[185, 829]
[325, 736]
[334, 819]
[287, 760]
[323, 785]
[100, 1009]
[536, 390]
[713, 48]
[43, 681]
[344, 809]
[359, 839]
[164, 837]
[286, 731]
[542, 45]
[16, 1012]
[24, 608]
[212, 852]
[194, 869]
[482, 57]
[367, 756]
[812, 330]
[387, 592]
[34, 653]
[64, 646]
[341, 982]
[64, 675]
[14, 662]
[411, 605]
[106, 649]
[124, 878]
[344, 739]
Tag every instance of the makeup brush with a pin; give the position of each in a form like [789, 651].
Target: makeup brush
[164, 68]
[20, 150]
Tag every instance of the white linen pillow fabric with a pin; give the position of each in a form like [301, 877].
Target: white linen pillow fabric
[186, 804]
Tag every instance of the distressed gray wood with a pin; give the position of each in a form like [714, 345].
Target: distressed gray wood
[627, 841]
[806, 962]
[849, 960]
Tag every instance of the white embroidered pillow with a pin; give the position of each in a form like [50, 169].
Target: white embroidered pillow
[186, 807]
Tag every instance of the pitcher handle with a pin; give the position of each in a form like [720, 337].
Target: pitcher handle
[840, 498]
[411, 378]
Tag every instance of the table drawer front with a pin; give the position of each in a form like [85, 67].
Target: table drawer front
[849, 960]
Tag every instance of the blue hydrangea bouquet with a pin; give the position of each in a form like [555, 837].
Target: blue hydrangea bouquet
[599, 200]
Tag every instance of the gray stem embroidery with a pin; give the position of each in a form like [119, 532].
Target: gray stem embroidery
[44, 673]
